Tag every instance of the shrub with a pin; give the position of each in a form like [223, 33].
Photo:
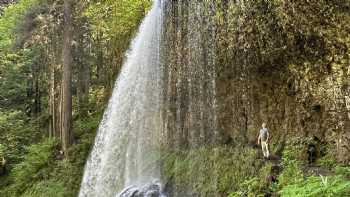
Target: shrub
[291, 168]
[293, 183]
[291, 174]
[343, 170]
[328, 161]
[318, 186]
[46, 188]
[255, 186]
[16, 135]
[33, 167]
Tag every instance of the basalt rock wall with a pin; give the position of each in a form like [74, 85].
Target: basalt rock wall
[231, 65]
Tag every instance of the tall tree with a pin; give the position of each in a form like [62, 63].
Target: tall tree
[66, 103]
[82, 59]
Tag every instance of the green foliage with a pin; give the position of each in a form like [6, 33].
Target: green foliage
[15, 70]
[33, 168]
[250, 187]
[294, 31]
[15, 135]
[70, 171]
[329, 161]
[16, 62]
[88, 125]
[113, 24]
[296, 149]
[30, 45]
[236, 172]
[343, 170]
[116, 18]
[255, 186]
[318, 186]
[292, 181]
[291, 174]
[13, 15]
[291, 168]
[277, 34]
[208, 171]
[43, 172]
[46, 188]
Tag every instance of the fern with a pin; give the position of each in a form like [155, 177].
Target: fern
[39, 157]
[317, 186]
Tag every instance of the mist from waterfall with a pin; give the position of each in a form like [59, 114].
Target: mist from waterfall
[126, 147]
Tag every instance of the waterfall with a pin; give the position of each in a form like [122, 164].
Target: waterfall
[126, 149]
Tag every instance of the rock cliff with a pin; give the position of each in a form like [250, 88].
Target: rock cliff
[231, 65]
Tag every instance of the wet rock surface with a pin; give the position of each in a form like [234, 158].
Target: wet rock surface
[150, 190]
[219, 69]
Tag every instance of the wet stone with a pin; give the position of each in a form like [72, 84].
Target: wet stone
[150, 190]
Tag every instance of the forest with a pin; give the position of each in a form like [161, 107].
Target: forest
[166, 98]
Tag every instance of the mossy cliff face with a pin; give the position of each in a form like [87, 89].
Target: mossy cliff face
[213, 171]
[231, 65]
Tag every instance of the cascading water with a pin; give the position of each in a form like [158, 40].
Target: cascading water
[192, 84]
[126, 147]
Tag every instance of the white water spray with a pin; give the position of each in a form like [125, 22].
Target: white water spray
[126, 147]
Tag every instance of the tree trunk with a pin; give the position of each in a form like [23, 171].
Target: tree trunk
[83, 88]
[52, 103]
[66, 103]
[37, 94]
[100, 60]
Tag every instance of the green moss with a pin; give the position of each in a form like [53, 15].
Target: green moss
[209, 171]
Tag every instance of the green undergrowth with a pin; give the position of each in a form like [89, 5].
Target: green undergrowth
[44, 172]
[255, 186]
[295, 180]
[240, 172]
[315, 186]
[212, 171]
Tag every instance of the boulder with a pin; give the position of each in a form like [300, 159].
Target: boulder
[149, 190]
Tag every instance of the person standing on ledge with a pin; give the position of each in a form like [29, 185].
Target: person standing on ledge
[263, 139]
